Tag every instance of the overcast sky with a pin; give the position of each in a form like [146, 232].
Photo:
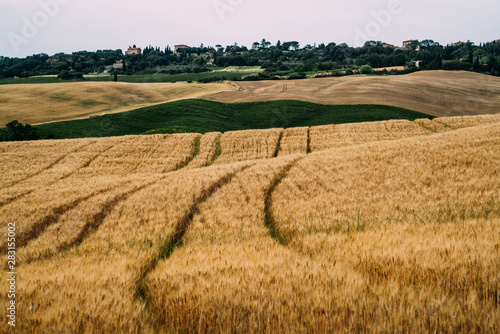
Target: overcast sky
[49, 26]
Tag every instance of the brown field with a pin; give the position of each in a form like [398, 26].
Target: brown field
[41, 103]
[437, 93]
[371, 227]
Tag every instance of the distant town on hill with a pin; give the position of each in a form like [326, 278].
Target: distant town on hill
[283, 60]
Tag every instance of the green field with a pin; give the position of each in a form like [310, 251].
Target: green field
[136, 78]
[33, 80]
[205, 116]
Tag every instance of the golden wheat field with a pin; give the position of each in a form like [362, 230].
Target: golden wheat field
[372, 227]
[437, 93]
[40, 103]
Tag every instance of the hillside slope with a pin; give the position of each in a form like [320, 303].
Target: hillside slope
[39, 103]
[437, 93]
[373, 227]
[207, 116]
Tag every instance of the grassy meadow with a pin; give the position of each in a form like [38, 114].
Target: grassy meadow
[136, 78]
[388, 226]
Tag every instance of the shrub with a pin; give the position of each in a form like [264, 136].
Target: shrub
[300, 75]
[165, 131]
[211, 79]
[366, 69]
[69, 75]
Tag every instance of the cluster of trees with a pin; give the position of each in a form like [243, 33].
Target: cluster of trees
[15, 131]
[286, 58]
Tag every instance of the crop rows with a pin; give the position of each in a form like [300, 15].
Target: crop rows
[248, 145]
[341, 135]
[468, 121]
[383, 227]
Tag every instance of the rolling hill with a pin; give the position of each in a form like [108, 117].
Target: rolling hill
[378, 227]
[208, 116]
[437, 93]
[41, 103]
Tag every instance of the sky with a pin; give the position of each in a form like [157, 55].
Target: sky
[50, 26]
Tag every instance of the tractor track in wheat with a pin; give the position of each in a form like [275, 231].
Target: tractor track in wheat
[96, 219]
[23, 238]
[175, 239]
[54, 163]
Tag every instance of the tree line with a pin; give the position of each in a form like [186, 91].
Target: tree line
[280, 59]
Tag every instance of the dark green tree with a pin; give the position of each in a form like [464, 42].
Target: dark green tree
[264, 44]
[477, 65]
[492, 64]
[64, 75]
[19, 131]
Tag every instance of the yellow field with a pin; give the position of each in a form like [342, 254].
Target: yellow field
[207, 150]
[437, 93]
[294, 140]
[341, 135]
[248, 145]
[41, 103]
[464, 122]
[372, 227]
